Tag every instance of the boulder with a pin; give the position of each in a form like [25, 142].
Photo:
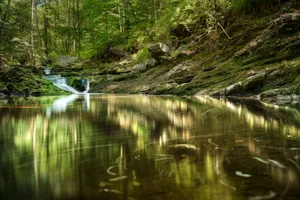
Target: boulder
[164, 88]
[147, 65]
[159, 49]
[184, 79]
[255, 81]
[295, 97]
[208, 68]
[181, 70]
[283, 98]
[63, 60]
[116, 53]
[274, 75]
[270, 94]
[151, 62]
[233, 89]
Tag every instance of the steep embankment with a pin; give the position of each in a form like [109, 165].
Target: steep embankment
[260, 54]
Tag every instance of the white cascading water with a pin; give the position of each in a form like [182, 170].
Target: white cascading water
[61, 83]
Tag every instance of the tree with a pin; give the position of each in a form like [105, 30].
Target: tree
[31, 31]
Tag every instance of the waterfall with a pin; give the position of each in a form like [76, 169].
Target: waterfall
[61, 82]
[47, 70]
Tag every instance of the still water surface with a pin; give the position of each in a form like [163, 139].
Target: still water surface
[148, 147]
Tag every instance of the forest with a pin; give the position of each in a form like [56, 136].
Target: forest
[164, 46]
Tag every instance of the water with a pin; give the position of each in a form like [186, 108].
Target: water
[61, 83]
[148, 147]
[47, 70]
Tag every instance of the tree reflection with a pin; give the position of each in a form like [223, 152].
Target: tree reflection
[117, 147]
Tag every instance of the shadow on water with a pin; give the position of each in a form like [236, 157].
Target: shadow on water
[148, 147]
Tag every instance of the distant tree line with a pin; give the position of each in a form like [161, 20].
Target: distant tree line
[32, 30]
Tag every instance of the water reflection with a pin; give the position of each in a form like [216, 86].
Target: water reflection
[148, 147]
[61, 104]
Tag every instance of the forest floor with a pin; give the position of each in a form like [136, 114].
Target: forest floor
[261, 56]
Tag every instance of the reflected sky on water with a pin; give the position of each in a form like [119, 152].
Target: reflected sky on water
[148, 147]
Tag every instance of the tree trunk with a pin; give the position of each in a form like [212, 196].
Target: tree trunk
[78, 28]
[46, 24]
[126, 22]
[106, 22]
[37, 26]
[31, 32]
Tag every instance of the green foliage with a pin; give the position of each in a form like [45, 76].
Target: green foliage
[142, 55]
[89, 27]
[252, 5]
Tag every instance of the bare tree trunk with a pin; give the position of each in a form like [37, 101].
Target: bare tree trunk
[37, 26]
[106, 22]
[78, 28]
[120, 17]
[46, 24]
[31, 32]
[69, 40]
[126, 23]
[74, 27]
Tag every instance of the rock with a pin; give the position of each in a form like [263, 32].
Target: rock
[184, 79]
[251, 73]
[116, 53]
[143, 67]
[283, 98]
[181, 70]
[181, 31]
[215, 93]
[145, 89]
[125, 62]
[151, 62]
[269, 94]
[235, 88]
[208, 68]
[164, 88]
[255, 81]
[65, 60]
[118, 69]
[295, 97]
[139, 67]
[274, 75]
[159, 49]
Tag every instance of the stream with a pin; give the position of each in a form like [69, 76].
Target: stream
[101, 146]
